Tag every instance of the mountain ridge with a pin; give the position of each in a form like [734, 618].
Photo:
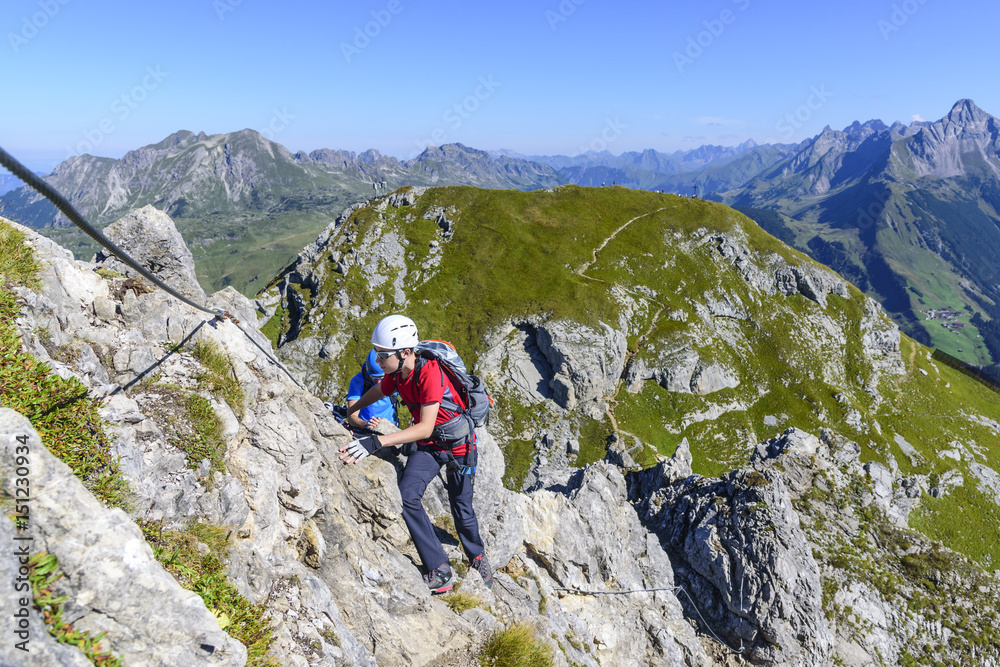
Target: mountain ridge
[909, 213]
[897, 209]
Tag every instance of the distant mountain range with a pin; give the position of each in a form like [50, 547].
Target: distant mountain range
[247, 205]
[909, 213]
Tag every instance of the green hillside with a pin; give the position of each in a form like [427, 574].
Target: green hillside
[648, 264]
[921, 257]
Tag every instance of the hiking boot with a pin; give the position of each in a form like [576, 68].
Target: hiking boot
[439, 580]
[482, 565]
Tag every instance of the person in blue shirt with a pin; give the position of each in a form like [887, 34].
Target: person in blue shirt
[367, 418]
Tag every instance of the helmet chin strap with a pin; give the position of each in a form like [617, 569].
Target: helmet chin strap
[399, 363]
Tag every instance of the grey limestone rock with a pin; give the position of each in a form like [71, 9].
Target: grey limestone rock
[406, 197]
[586, 364]
[811, 281]
[149, 236]
[111, 577]
[739, 551]
[573, 366]
[27, 640]
[585, 537]
[518, 362]
[679, 369]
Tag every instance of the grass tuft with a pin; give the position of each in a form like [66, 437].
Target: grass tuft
[205, 574]
[61, 410]
[43, 573]
[459, 602]
[219, 375]
[517, 646]
[17, 260]
[205, 442]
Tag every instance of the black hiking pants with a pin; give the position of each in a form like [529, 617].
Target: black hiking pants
[421, 468]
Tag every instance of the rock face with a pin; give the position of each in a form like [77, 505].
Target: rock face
[586, 364]
[967, 136]
[150, 234]
[682, 371]
[113, 583]
[583, 536]
[740, 553]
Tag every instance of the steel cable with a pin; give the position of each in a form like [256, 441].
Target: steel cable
[60, 202]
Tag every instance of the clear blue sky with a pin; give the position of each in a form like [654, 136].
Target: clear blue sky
[541, 77]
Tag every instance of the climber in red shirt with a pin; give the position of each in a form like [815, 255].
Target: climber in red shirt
[437, 437]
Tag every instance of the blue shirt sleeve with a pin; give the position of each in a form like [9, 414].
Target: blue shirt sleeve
[382, 408]
[356, 388]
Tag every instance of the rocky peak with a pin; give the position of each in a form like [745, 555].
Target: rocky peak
[966, 112]
[858, 129]
[965, 141]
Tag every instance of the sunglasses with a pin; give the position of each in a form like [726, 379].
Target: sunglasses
[385, 355]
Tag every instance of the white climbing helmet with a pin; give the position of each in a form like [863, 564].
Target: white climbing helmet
[395, 332]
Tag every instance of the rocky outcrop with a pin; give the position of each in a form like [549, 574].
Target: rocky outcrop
[573, 366]
[586, 364]
[113, 583]
[812, 282]
[680, 370]
[739, 552]
[149, 233]
[589, 551]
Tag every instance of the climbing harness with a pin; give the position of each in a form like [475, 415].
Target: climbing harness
[61, 203]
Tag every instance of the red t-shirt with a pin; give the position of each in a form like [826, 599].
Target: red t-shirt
[435, 387]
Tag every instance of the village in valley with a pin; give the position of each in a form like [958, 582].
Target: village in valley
[948, 318]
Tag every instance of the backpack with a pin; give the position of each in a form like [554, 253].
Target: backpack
[470, 388]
